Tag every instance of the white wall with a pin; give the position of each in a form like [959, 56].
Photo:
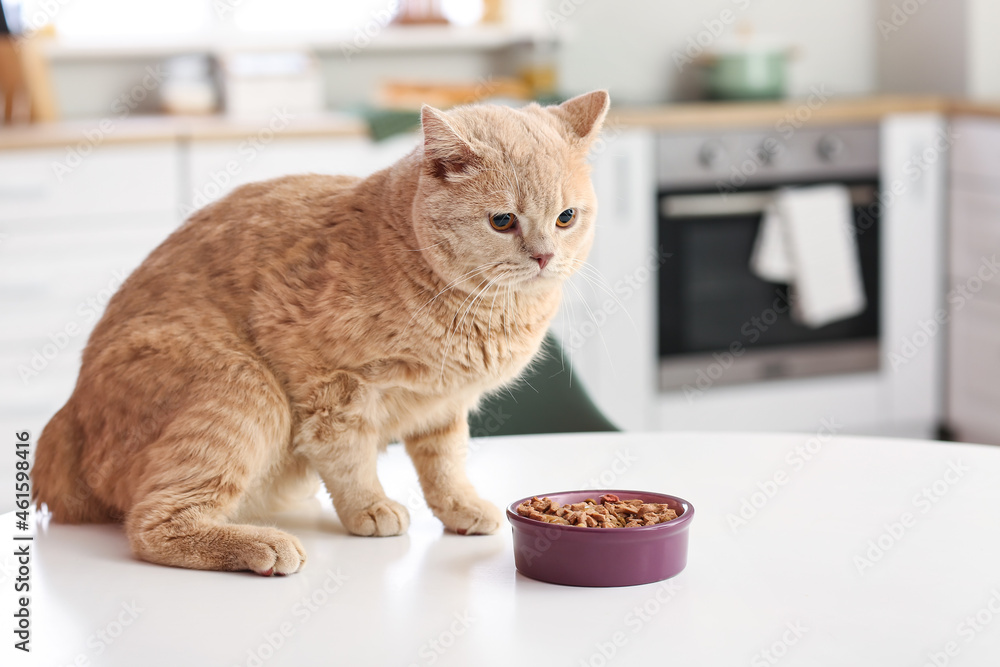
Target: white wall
[924, 51]
[938, 46]
[984, 50]
[630, 44]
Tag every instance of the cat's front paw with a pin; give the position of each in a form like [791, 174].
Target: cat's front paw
[382, 518]
[468, 516]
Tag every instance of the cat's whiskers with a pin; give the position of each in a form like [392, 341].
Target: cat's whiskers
[454, 283]
[587, 270]
[457, 323]
[471, 295]
[428, 247]
[614, 296]
[496, 293]
[489, 320]
[477, 302]
[514, 323]
[597, 326]
[595, 279]
[506, 320]
[566, 323]
[584, 265]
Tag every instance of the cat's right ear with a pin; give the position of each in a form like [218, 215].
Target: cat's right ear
[446, 153]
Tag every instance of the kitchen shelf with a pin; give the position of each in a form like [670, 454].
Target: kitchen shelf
[392, 39]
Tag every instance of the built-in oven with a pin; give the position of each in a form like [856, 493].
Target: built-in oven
[719, 322]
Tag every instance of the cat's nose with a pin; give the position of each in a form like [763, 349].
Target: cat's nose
[542, 258]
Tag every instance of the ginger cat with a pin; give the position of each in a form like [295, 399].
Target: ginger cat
[299, 325]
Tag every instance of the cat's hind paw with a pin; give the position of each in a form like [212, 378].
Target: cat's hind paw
[271, 551]
[260, 549]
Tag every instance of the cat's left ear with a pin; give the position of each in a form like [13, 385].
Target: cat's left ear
[585, 114]
[446, 153]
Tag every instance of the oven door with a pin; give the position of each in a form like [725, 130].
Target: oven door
[719, 323]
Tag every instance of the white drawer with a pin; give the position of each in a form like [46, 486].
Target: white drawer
[974, 368]
[55, 252]
[94, 243]
[111, 179]
[43, 309]
[126, 222]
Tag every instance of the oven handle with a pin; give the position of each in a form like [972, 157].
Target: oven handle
[739, 203]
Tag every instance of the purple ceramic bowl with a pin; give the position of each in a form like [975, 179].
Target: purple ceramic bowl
[576, 556]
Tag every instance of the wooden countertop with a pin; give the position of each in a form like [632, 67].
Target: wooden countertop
[112, 130]
[811, 110]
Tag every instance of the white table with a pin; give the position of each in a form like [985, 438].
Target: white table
[803, 582]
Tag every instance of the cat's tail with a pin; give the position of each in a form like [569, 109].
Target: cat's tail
[57, 476]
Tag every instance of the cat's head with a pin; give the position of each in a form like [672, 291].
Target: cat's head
[504, 196]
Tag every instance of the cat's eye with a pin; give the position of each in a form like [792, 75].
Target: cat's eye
[503, 222]
[566, 218]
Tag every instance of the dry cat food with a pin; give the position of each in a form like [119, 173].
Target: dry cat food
[610, 512]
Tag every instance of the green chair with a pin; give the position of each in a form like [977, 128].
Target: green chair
[548, 399]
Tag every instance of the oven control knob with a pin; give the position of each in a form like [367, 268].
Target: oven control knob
[711, 155]
[830, 147]
[767, 151]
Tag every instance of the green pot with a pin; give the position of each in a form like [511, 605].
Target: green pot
[751, 74]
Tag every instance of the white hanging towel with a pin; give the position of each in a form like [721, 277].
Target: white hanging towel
[806, 240]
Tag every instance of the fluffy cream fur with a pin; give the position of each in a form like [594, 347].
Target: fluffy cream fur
[298, 325]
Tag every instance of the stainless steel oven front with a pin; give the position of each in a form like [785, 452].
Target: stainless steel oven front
[719, 323]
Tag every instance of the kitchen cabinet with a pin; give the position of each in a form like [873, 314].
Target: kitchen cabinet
[973, 392]
[70, 231]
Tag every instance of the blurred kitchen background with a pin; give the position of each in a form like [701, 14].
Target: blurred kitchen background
[799, 203]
